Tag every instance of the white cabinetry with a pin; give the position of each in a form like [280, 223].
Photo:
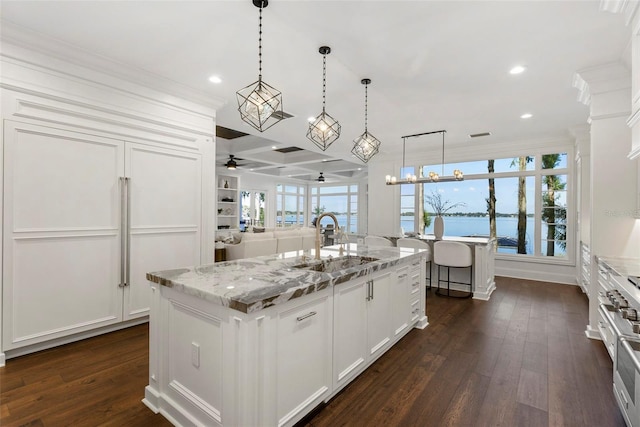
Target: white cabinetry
[303, 358]
[584, 277]
[370, 313]
[85, 217]
[228, 202]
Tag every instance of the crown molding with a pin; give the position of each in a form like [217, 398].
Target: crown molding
[628, 8]
[35, 42]
[611, 77]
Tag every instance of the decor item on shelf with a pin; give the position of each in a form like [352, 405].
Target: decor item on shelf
[440, 207]
[366, 145]
[226, 199]
[226, 184]
[433, 176]
[219, 211]
[320, 178]
[259, 104]
[324, 130]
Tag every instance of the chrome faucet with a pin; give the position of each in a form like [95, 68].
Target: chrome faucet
[318, 227]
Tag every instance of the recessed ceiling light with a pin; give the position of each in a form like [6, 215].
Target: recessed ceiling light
[215, 79]
[273, 147]
[518, 69]
[324, 160]
[311, 119]
[359, 169]
[526, 116]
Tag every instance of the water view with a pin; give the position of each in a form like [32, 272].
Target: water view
[507, 229]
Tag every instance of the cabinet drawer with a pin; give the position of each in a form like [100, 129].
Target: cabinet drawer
[415, 309]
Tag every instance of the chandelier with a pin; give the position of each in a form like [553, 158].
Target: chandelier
[432, 176]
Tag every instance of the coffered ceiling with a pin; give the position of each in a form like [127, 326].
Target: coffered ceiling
[433, 65]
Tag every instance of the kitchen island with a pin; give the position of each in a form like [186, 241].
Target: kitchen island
[263, 341]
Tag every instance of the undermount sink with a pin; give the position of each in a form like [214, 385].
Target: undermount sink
[336, 264]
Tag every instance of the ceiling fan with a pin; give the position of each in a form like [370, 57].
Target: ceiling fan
[231, 164]
[320, 178]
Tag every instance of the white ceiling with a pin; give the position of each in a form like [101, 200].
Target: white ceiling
[433, 64]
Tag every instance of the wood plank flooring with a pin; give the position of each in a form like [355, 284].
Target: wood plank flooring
[520, 359]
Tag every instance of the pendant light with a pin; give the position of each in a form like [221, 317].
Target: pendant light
[366, 145]
[324, 130]
[259, 104]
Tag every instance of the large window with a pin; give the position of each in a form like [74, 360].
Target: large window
[290, 203]
[521, 201]
[341, 200]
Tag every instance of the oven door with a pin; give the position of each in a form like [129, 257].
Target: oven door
[626, 380]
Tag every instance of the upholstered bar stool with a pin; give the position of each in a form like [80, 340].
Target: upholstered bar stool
[420, 244]
[453, 255]
[377, 241]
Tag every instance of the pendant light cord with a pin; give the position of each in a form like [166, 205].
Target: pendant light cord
[442, 153]
[324, 81]
[365, 107]
[260, 47]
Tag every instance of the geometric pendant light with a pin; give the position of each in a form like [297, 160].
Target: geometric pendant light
[366, 145]
[259, 104]
[324, 130]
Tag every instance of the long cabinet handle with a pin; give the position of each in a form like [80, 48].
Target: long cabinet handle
[123, 231]
[128, 185]
[301, 318]
[371, 289]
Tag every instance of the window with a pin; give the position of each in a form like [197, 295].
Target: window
[342, 201]
[253, 208]
[290, 203]
[522, 201]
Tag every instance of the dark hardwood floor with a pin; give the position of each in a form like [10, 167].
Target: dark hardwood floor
[520, 359]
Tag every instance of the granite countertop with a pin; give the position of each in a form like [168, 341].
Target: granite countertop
[253, 284]
[624, 267]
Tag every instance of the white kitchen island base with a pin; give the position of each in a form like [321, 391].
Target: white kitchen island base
[214, 365]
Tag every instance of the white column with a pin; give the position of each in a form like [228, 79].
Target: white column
[606, 90]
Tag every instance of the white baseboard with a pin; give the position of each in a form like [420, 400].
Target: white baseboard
[2, 360]
[69, 339]
[592, 333]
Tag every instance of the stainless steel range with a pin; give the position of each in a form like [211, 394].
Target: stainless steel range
[620, 319]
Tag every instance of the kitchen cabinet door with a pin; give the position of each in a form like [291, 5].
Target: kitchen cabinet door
[62, 234]
[349, 330]
[303, 357]
[164, 220]
[400, 301]
[379, 323]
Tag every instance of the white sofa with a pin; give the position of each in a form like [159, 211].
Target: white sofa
[271, 241]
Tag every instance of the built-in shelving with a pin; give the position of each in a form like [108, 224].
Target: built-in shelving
[227, 202]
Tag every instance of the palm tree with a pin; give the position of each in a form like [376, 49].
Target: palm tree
[555, 218]
[491, 201]
[522, 203]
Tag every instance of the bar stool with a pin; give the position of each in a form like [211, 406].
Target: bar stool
[453, 255]
[420, 244]
[377, 241]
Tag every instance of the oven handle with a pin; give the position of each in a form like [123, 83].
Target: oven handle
[631, 352]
